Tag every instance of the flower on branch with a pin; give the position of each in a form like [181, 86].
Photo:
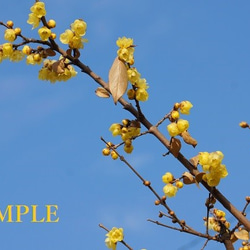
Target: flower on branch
[113, 236]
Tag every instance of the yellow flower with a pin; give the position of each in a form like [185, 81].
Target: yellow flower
[76, 42]
[38, 9]
[16, 56]
[170, 190]
[142, 83]
[173, 129]
[182, 125]
[33, 20]
[44, 33]
[115, 128]
[133, 75]
[115, 234]
[66, 36]
[204, 158]
[110, 244]
[79, 27]
[124, 42]
[7, 50]
[26, 50]
[126, 55]
[141, 94]
[167, 178]
[10, 35]
[185, 107]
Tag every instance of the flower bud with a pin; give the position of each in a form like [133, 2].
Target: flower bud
[10, 24]
[51, 23]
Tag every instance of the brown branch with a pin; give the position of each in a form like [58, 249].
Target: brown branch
[154, 131]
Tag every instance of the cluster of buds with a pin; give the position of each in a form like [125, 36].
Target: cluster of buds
[217, 221]
[172, 184]
[211, 165]
[73, 36]
[127, 130]
[245, 245]
[53, 70]
[109, 151]
[178, 126]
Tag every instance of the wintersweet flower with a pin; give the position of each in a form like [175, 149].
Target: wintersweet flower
[115, 129]
[79, 27]
[10, 35]
[7, 49]
[133, 75]
[113, 236]
[170, 190]
[182, 125]
[38, 9]
[211, 164]
[33, 20]
[27, 49]
[124, 42]
[44, 33]
[141, 94]
[66, 36]
[185, 107]
[16, 56]
[126, 55]
[167, 178]
[173, 129]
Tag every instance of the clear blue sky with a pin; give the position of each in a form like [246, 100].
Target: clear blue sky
[50, 134]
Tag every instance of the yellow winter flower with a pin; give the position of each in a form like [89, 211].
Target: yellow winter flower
[173, 129]
[79, 27]
[7, 50]
[16, 56]
[115, 129]
[27, 49]
[182, 125]
[115, 234]
[66, 36]
[76, 42]
[33, 20]
[126, 55]
[167, 178]
[185, 107]
[10, 35]
[141, 94]
[170, 190]
[44, 33]
[133, 75]
[124, 42]
[38, 9]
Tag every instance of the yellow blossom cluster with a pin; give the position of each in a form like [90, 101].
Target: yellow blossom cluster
[37, 12]
[8, 52]
[172, 185]
[113, 236]
[127, 130]
[211, 165]
[53, 71]
[73, 36]
[126, 50]
[178, 126]
[139, 86]
[217, 220]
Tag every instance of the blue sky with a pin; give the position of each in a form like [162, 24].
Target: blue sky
[50, 134]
